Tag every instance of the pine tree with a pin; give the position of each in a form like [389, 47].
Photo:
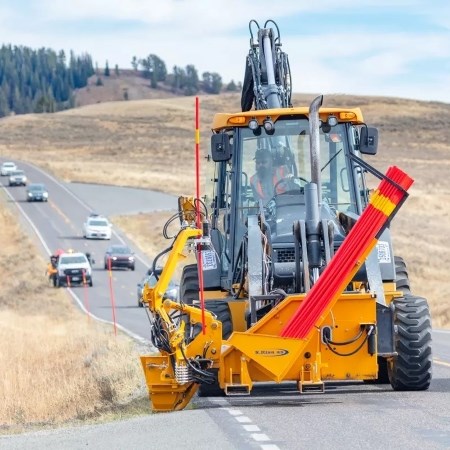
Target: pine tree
[231, 86]
[191, 85]
[106, 73]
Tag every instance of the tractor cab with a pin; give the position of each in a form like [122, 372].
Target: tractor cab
[265, 169]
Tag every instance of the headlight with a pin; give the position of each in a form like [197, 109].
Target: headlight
[131, 258]
[30, 194]
[114, 258]
[45, 194]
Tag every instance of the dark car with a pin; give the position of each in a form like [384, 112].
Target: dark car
[119, 256]
[150, 278]
[37, 192]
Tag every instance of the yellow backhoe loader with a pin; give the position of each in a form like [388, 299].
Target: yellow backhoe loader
[300, 285]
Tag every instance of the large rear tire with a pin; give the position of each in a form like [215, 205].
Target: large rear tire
[401, 276]
[411, 369]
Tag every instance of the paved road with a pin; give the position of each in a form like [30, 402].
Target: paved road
[58, 224]
[347, 416]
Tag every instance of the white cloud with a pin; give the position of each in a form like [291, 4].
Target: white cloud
[216, 38]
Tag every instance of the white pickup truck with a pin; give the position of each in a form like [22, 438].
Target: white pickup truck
[73, 269]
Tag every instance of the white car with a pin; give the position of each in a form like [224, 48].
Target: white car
[7, 167]
[97, 227]
[17, 178]
[73, 269]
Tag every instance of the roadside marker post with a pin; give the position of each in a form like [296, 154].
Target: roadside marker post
[86, 295]
[111, 291]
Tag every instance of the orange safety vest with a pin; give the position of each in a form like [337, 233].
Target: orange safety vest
[51, 269]
[279, 173]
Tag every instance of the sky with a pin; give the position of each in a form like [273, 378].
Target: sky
[395, 48]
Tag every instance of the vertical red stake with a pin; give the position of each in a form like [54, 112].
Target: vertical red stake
[199, 222]
[86, 297]
[111, 292]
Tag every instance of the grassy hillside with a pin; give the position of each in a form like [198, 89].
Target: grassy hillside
[150, 143]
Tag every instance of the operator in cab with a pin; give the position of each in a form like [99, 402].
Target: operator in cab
[266, 182]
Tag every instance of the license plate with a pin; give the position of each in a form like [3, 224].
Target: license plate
[75, 278]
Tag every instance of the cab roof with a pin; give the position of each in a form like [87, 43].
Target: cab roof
[241, 119]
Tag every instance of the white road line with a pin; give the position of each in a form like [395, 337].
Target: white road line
[251, 428]
[259, 437]
[243, 419]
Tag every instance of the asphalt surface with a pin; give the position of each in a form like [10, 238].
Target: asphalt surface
[347, 416]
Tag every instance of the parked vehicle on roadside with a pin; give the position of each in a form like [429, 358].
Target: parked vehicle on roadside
[73, 269]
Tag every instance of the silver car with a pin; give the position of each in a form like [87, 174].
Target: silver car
[18, 178]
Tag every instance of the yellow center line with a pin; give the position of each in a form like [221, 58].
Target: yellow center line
[66, 219]
[441, 363]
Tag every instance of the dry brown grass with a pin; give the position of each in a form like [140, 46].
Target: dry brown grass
[57, 365]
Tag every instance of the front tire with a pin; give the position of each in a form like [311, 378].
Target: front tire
[411, 369]
[401, 284]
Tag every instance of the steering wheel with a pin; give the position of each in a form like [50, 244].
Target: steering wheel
[291, 185]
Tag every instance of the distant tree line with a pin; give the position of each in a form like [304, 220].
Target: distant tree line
[182, 80]
[36, 81]
[40, 80]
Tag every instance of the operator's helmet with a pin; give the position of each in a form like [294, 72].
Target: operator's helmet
[262, 154]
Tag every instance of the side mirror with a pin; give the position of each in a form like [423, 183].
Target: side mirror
[368, 141]
[220, 147]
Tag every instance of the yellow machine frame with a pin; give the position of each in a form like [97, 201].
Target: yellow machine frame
[258, 354]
